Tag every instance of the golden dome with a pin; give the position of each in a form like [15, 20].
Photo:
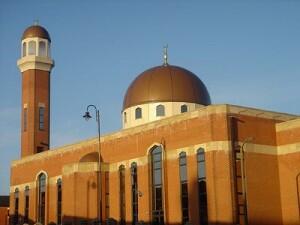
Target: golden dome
[36, 31]
[166, 83]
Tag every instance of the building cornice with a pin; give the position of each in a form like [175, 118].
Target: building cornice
[201, 112]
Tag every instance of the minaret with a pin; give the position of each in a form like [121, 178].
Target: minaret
[35, 65]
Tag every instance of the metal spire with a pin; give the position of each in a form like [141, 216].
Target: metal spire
[36, 22]
[165, 55]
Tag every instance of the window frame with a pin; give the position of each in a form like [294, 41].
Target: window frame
[157, 213]
[160, 110]
[138, 113]
[122, 197]
[202, 190]
[183, 187]
[134, 193]
[184, 108]
[42, 110]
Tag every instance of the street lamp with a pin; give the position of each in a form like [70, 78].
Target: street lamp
[87, 116]
[243, 174]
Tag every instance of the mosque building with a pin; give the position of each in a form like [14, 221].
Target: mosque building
[179, 159]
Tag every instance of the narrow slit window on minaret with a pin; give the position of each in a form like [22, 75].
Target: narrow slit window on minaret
[41, 118]
[25, 119]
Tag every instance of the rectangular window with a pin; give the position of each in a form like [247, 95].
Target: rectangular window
[25, 119]
[107, 194]
[41, 118]
[26, 209]
[202, 187]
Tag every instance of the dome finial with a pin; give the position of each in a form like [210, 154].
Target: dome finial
[166, 55]
[36, 22]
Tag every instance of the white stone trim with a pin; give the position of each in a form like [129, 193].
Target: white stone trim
[35, 62]
[288, 125]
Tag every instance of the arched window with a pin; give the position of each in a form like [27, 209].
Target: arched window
[24, 49]
[157, 186]
[138, 113]
[41, 198]
[42, 48]
[59, 200]
[184, 187]
[31, 48]
[183, 108]
[16, 214]
[49, 50]
[125, 117]
[202, 186]
[26, 211]
[122, 194]
[160, 110]
[134, 193]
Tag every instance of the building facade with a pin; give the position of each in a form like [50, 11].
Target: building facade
[178, 159]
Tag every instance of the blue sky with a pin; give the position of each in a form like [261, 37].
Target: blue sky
[246, 52]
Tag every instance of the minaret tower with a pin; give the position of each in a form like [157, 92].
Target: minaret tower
[35, 65]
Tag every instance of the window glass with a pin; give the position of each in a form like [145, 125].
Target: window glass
[122, 195]
[183, 187]
[16, 214]
[160, 110]
[41, 118]
[157, 194]
[202, 187]
[26, 213]
[184, 108]
[134, 193]
[32, 48]
[25, 119]
[125, 117]
[138, 113]
[59, 200]
[42, 48]
[24, 49]
[41, 198]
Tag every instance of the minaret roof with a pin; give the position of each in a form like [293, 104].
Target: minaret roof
[36, 31]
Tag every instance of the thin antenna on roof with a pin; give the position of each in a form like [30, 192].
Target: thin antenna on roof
[165, 55]
[36, 22]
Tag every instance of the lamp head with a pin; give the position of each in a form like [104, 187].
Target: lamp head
[87, 116]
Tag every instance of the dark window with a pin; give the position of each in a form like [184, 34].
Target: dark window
[16, 214]
[183, 187]
[26, 211]
[107, 194]
[202, 186]
[25, 119]
[24, 53]
[160, 110]
[59, 200]
[41, 118]
[157, 192]
[125, 117]
[122, 194]
[134, 193]
[184, 108]
[39, 149]
[41, 198]
[138, 113]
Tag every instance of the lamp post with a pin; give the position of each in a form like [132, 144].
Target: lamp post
[87, 116]
[243, 174]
